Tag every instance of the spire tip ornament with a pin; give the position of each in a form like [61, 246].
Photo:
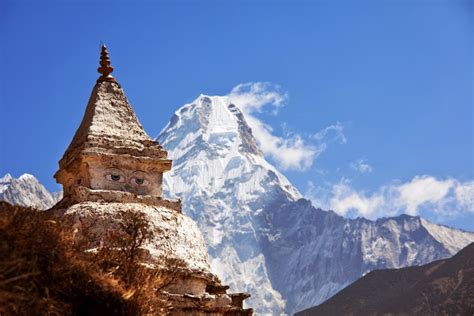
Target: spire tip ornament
[105, 68]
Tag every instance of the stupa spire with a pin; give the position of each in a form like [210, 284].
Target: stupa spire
[105, 68]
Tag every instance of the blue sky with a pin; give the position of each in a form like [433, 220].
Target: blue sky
[389, 81]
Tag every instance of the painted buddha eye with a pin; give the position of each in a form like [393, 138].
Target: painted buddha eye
[139, 181]
[115, 178]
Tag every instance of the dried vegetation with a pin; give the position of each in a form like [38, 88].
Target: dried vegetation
[44, 270]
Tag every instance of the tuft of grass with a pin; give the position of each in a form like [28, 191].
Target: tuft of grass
[45, 270]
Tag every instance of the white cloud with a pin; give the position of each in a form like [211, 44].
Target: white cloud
[465, 195]
[439, 197]
[253, 96]
[421, 190]
[361, 165]
[443, 198]
[290, 151]
[335, 130]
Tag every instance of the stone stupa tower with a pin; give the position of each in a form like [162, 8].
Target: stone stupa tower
[110, 150]
[113, 166]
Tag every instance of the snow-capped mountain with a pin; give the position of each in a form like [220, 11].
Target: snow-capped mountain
[317, 253]
[27, 191]
[224, 181]
[262, 236]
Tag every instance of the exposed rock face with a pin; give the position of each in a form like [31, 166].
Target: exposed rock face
[443, 287]
[312, 254]
[27, 191]
[112, 166]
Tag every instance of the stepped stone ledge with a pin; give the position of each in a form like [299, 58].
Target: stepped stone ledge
[83, 194]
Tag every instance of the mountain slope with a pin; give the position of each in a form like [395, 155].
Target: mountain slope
[223, 180]
[265, 239]
[26, 191]
[444, 287]
[317, 253]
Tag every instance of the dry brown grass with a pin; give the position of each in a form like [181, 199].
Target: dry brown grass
[45, 271]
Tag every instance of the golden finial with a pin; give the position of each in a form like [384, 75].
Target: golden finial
[105, 68]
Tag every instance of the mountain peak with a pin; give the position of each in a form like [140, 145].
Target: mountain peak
[28, 177]
[214, 131]
[6, 178]
[26, 191]
[214, 118]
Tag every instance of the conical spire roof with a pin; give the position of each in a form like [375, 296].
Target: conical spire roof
[109, 125]
[105, 68]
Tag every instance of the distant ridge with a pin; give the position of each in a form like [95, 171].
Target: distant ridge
[27, 191]
[443, 287]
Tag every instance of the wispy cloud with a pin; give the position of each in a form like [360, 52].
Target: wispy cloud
[361, 165]
[335, 132]
[465, 195]
[254, 96]
[443, 198]
[291, 150]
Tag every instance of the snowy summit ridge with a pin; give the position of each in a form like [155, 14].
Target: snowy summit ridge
[227, 147]
[222, 177]
[26, 191]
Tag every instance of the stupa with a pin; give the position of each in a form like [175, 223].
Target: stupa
[111, 166]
